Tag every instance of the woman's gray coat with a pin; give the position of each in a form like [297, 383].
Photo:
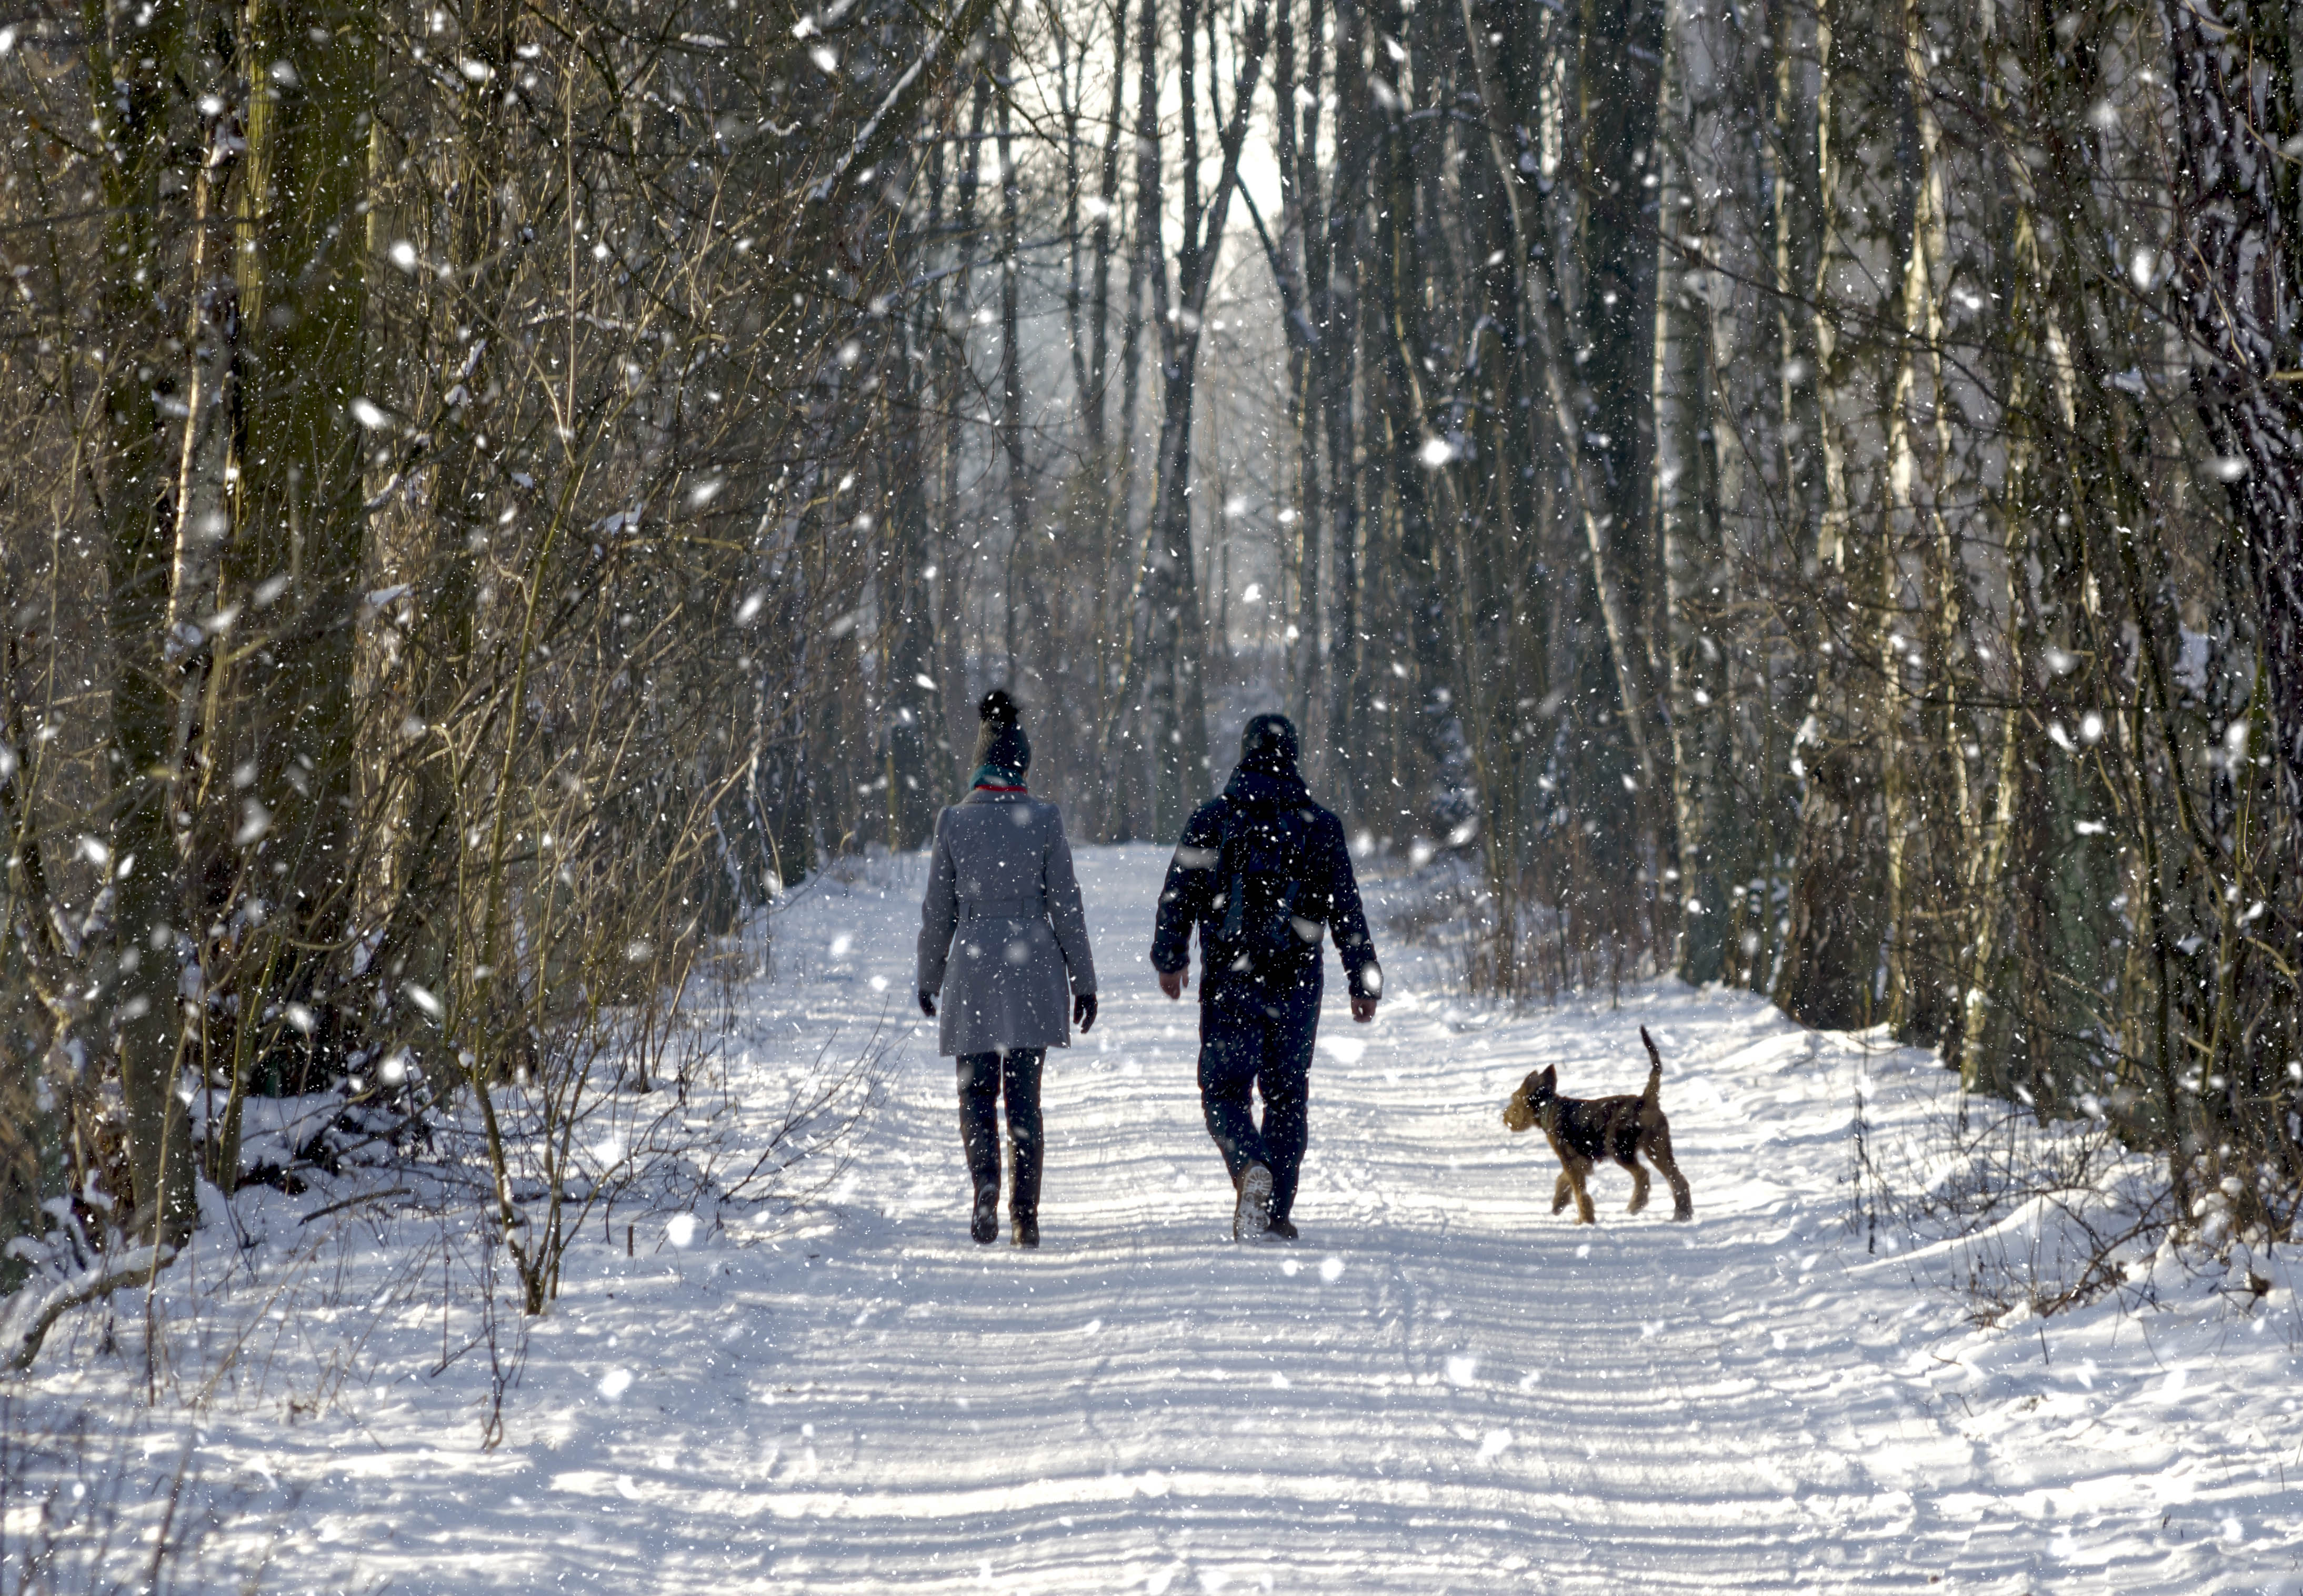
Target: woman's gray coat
[1002, 935]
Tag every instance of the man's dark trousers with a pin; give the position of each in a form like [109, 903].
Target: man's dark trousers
[1253, 1037]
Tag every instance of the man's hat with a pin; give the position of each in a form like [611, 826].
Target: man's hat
[1268, 745]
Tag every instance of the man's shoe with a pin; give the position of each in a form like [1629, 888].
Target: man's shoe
[1285, 1229]
[1251, 1218]
[984, 1223]
[1027, 1233]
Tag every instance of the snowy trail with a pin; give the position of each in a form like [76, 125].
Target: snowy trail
[1442, 1386]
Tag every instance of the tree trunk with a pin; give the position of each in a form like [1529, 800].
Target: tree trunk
[140, 119]
[1134, 727]
[1419, 452]
[2239, 280]
[955, 384]
[1835, 919]
[913, 696]
[1296, 146]
[1018, 480]
[1336, 310]
[1682, 536]
[1174, 674]
[303, 293]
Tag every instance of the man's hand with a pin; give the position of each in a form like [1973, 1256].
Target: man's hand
[1084, 1012]
[927, 1004]
[1363, 1009]
[1171, 982]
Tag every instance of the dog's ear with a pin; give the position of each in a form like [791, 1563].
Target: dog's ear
[1549, 1079]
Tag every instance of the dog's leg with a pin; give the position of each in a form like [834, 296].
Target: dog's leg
[1656, 1145]
[1638, 1184]
[1561, 1190]
[1578, 1172]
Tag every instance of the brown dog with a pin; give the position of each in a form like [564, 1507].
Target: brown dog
[1583, 1131]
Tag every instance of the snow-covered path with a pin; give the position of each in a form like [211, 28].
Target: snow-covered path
[1442, 1386]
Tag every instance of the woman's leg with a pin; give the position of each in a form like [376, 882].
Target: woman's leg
[1020, 1071]
[979, 1138]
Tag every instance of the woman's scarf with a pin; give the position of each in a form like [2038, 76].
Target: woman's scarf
[997, 777]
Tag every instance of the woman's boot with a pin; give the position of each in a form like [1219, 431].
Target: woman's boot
[979, 1139]
[1023, 1191]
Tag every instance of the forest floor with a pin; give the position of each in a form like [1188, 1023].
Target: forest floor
[1441, 1388]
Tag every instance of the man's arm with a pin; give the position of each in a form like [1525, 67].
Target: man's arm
[1348, 922]
[1183, 896]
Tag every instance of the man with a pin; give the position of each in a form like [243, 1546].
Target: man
[1261, 871]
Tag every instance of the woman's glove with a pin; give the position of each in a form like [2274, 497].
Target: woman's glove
[927, 1004]
[1083, 1011]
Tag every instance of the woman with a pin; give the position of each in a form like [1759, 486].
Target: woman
[1003, 939]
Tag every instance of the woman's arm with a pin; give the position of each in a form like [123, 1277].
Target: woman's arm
[1066, 912]
[938, 913]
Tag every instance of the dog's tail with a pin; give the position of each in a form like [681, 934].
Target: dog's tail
[1652, 1096]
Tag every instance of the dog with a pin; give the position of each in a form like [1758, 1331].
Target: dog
[1584, 1130]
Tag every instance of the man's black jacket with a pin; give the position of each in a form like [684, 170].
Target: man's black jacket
[1324, 863]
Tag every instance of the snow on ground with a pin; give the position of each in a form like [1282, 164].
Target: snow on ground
[1441, 1388]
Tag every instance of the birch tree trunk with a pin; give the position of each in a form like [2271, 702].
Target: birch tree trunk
[1836, 922]
[1947, 466]
[955, 389]
[1714, 294]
